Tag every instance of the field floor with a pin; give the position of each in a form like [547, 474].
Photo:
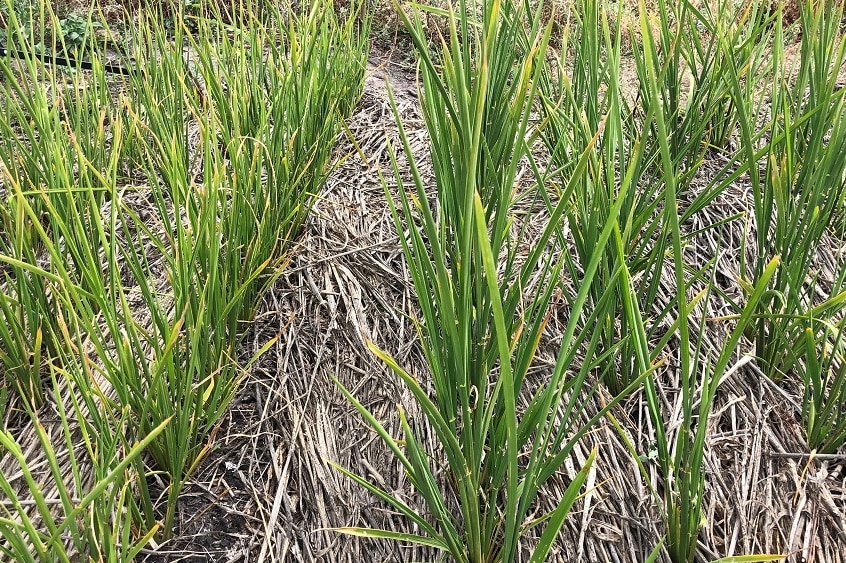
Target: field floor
[268, 494]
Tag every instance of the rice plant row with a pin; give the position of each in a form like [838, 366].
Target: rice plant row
[142, 220]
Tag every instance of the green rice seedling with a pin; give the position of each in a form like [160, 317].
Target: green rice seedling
[57, 136]
[52, 144]
[158, 100]
[136, 360]
[798, 195]
[88, 519]
[479, 329]
[824, 401]
[183, 361]
[582, 101]
[680, 458]
[279, 93]
[261, 108]
[723, 42]
[49, 109]
[139, 350]
[26, 313]
[692, 65]
[94, 513]
[823, 373]
[583, 107]
[80, 252]
[25, 317]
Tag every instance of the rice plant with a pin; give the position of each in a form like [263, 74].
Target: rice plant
[680, 458]
[93, 514]
[55, 128]
[699, 44]
[224, 219]
[25, 317]
[279, 93]
[823, 374]
[824, 401]
[479, 328]
[584, 107]
[800, 191]
[92, 522]
[266, 105]
[54, 140]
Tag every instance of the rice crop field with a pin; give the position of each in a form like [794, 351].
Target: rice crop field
[477, 281]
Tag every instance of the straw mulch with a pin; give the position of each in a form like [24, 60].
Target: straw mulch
[269, 494]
